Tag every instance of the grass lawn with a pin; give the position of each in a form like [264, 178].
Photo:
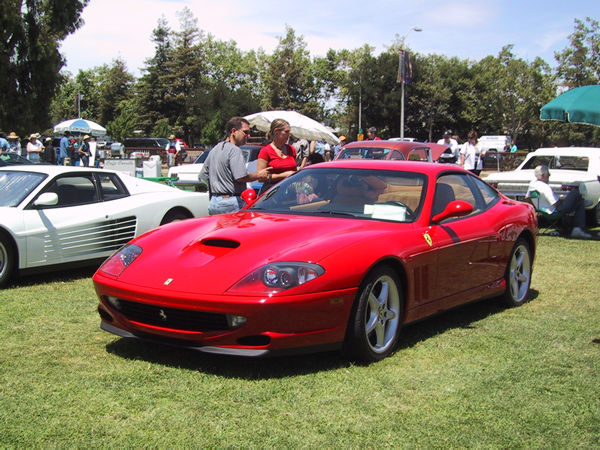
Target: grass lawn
[478, 376]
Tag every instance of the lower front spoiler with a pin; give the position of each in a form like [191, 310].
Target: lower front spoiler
[231, 351]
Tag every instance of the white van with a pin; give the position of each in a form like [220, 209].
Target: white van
[495, 143]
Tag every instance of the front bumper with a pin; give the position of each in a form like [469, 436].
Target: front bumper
[273, 325]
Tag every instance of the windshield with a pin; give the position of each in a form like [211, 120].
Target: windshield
[561, 162]
[365, 153]
[15, 186]
[202, 157]
[12, 159]
[365, 194]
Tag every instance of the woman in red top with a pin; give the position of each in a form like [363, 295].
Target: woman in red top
[278, 154]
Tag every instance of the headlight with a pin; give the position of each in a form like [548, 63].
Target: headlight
[278, 277]
[117, 263]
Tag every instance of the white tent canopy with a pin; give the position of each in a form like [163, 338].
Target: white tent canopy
[302, 127]
[82, 126]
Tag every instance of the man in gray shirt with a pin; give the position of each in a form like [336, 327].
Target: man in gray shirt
[225, 169]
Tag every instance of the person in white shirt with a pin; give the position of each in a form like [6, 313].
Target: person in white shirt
[471, 155]
[549, 203]
[452, 143]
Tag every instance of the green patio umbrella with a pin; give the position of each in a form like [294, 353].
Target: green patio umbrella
[579, 105]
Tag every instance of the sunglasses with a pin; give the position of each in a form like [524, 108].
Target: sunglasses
[246, 132]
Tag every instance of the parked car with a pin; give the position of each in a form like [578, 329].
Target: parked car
[147, 145]
[188, 174]
[569, 167]
[54, 215]
[393, 150]
[12, 159]
[339, 255]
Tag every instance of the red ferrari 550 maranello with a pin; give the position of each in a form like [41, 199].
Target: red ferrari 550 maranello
[337, 256]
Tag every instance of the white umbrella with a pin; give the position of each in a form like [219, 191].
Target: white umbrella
[80, 126]
[301, 126]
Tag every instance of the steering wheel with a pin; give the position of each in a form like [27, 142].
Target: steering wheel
[409, 212]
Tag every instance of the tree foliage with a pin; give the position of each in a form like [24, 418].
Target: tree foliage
[194, 83]
[30, 61]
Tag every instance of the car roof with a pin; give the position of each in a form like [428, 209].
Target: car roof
[378, 164]
[404, 146]
[401, 145]
[53, 170]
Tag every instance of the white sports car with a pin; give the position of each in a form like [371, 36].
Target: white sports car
[54, 215]
[569, 166]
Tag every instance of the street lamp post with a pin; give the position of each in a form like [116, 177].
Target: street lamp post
[400, 62]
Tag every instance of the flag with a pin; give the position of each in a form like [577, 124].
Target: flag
[404, 67]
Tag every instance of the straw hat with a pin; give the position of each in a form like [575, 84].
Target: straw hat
[34, 136]
[12, 135]
[172, 137]
[342, 138]
[86, 136]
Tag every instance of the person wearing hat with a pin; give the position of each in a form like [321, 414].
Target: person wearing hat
[172, 148]
[14, 142]
[34, 148]
[85, 152]
[339, 146]
[452, 143]
[49, 154]
[4, 145]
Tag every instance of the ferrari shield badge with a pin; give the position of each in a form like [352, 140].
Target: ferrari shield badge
[428, 239]
[168, 281]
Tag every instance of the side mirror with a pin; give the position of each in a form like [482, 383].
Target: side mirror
[456, 208]
[249, 196]
[46, 199]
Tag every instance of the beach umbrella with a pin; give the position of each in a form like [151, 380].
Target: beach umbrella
[578, 105]
[82, 126]
[302, 127]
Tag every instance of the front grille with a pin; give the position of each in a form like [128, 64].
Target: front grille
[173, 318]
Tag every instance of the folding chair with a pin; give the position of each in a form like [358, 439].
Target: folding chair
[558, 222]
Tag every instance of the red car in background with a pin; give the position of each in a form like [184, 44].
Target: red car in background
[395, 151]
[339, 255]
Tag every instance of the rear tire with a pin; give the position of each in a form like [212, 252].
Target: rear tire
[375, 321]
[518, 274]
[7, 260]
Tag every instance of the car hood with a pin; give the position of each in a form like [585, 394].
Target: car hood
[211, 254]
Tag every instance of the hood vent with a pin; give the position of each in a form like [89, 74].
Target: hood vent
[226, 243]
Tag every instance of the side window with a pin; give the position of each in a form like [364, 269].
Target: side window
[74, 190]
[111, 187]
[397, 156]
[489, 195]
[453, 187]
[418, 154]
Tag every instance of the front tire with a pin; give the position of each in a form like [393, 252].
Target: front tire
[7, 260]
[518, 274]
[375, 322]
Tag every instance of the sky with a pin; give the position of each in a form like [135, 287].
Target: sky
[467, 29]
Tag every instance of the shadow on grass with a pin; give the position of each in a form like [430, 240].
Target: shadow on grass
[64, 275]
[286, 366]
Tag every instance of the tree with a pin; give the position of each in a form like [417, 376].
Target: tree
[30, 34]
[579, 64]
[511, 92]
[289, 78]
